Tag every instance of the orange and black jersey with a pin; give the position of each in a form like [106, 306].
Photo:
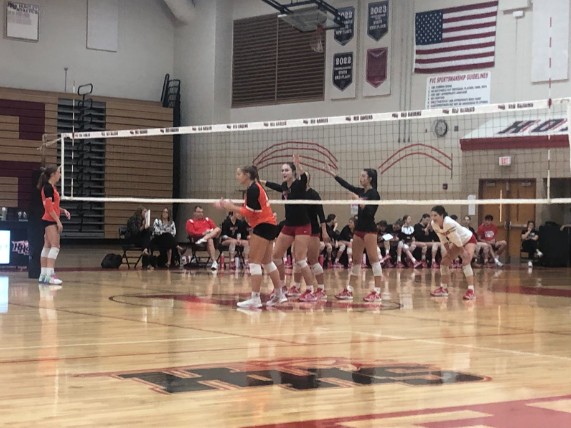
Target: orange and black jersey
[366, 216]
[315, 212]
[257, 207]
[296, 215]
[50, 199]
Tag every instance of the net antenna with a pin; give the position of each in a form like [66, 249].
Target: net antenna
[310, 16]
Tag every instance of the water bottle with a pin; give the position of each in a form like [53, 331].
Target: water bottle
[222, 260]
[237, 262]
[4, 213]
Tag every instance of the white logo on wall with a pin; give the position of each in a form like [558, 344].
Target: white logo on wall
[4, 247]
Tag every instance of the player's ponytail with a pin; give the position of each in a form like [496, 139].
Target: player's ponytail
[439, 209]
[45, 176]
[252, 171]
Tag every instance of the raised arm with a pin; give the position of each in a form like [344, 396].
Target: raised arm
[274, 186]
[349, 187]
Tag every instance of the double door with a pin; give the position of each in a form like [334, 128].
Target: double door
[511, 219]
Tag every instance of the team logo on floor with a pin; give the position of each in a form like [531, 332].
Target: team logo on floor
[292, 374]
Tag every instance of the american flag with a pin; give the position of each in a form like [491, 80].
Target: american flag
[457, 38]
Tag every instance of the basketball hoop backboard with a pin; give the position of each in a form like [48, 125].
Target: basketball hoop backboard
[308, 15]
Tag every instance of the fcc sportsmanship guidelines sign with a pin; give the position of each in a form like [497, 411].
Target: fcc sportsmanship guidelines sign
[458, 90]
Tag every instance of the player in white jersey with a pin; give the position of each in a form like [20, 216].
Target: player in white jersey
[458, 241]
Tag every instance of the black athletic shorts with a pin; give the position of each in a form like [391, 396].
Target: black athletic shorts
[47, 223]
[267, 231]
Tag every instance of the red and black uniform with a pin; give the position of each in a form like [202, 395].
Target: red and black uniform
[315, 212]
[366, 216]
[50, 199]
[297, 218]
[259, 213]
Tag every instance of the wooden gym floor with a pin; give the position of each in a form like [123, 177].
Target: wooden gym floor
[170, 349]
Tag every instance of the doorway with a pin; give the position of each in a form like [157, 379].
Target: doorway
[511, 219]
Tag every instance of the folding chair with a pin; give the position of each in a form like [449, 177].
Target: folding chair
[129, 248]
[195, 258]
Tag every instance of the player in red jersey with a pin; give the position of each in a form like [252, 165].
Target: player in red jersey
[51, 222]
[259, 213]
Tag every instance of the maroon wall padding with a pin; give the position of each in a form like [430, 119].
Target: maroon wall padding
[23, 172]
[503, 143]
[32, 117]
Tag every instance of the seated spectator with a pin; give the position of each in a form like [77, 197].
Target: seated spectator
[235, 235]
[382, 243]
[529, 238]
[480, 246]
[202, 230]
[164, 232]
[331, 228]
[345, 242]
[393, 230]
[138, 231]
[422, 238]
[487, 232]
[407, 243]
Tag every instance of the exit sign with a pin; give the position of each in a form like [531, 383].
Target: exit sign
[505, 160]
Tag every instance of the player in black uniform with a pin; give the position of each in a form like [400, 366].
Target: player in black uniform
[365, 236]
[297, 227]
[407, 243]
[318, 229]
[345, 241]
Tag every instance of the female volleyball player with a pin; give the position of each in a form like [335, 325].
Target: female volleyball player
[458, 241]
[407, 243]
[257, 210]
[297, 229]
[365, 236]
[52, 224]
[318, 229]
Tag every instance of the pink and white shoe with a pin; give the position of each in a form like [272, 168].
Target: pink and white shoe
[308, 296]
[320, 294]
[293, 291]
[346, 294]
[435, 265]
[400, 265]
[440, 292]
[337, 265]
[470, 295]
[417, 265]
[373, 297]
[424, 264]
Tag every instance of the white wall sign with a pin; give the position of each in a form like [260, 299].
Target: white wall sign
[458, 90]
[22, 21]
[4, 247]
[103, 25]
[376, 56]
[342, 54]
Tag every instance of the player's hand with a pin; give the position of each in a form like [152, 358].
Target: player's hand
[67, 214]
[329, 170]
[59, 227]
[296, 160]
[227, 204]
[263, 182]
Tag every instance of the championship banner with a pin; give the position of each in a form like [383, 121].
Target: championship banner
[342, 54]
[376, 48]
[343, 70]
[22, 21]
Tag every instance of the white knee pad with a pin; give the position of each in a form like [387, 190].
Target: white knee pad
[317, 269]
[406, 247]
[444, 270]
[467, 270]
[301, 263]
[255, 269]
[45, 252]
[53, 253]
[377, 269]
[278, 261]
[269, 268]
[232, 248]
[400, 245]
[349, 251]
[356, 269]
[342, 248]
[296, 268]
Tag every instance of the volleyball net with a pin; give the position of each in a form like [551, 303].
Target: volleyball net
[451, 156]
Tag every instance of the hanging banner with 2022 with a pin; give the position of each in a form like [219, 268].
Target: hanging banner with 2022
[343, 70]
[346, 33]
